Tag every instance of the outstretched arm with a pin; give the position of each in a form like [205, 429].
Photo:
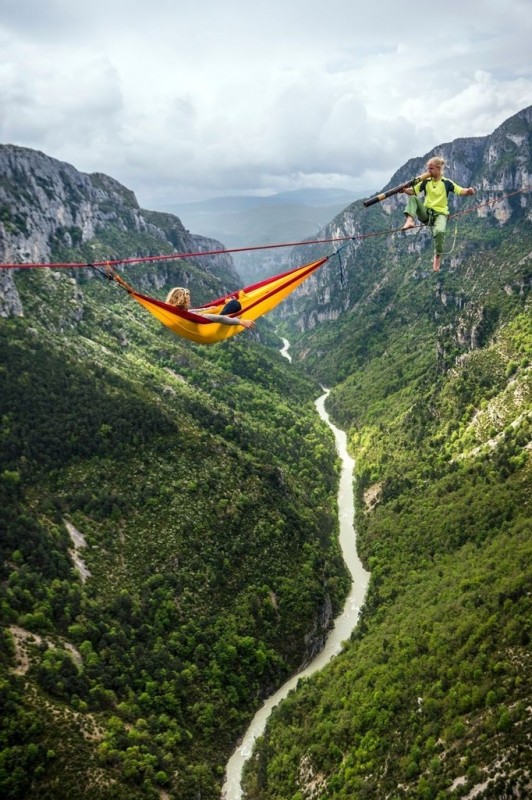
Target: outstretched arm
[225, 320]
[246, 323]
[469, 190]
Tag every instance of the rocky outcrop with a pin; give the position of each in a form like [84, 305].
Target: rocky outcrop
[10, 305]
[500, 163]
[311, 782]
[49, 212]
[315, 639]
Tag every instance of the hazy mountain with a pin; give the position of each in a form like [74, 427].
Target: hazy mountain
[250, 221]
[310, 197]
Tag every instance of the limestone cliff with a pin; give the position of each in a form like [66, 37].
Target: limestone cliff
[498, 164]
[48, 208]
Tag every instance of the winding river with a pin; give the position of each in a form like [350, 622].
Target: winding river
[344, 623]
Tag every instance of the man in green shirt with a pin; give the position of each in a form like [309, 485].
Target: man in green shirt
[434, 209]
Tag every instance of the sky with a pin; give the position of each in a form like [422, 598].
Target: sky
[184, 100]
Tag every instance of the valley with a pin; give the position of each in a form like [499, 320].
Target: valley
[203, 487]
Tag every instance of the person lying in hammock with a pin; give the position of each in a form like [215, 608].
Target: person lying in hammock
[180, 297]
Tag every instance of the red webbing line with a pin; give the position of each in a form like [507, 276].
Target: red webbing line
[175, 256]
[172, 257]
[488, 203]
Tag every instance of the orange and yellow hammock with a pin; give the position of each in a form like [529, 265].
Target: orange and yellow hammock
[256, 300]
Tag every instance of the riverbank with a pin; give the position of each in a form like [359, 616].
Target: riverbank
[343, 625]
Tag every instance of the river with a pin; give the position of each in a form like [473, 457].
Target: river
[343, 624]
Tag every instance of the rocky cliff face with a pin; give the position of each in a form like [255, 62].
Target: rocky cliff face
[47, 206]
[500, 163]
[494, 164]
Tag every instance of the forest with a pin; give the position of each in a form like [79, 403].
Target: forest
[189, 475]
[432, 380]
[169, 548]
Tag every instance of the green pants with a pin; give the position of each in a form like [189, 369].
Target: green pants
[416, 208]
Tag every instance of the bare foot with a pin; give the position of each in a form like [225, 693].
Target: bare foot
[408, 224]
[436, 263]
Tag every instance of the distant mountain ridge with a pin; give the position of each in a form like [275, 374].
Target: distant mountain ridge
[313, 197]
[250, 221]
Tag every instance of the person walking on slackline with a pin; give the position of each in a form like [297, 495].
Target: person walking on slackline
[434, 209]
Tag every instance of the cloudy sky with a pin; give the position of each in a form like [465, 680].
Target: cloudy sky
[181, 100]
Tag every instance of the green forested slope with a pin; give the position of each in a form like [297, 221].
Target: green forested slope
[205, 490]
[432, 381]
[432, 697]
[188, 470]
[433, 693]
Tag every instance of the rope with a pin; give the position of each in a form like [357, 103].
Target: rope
[467, 210]
[340, 262]
[450, 250]
[222, 251]
[489, 202]
[175, 256]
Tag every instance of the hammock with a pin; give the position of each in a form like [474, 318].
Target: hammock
[256, 300]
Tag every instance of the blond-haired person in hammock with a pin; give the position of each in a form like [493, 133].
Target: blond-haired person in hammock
[434, 209]
[180, 298]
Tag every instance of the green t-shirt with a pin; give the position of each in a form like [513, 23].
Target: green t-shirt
[436, 193]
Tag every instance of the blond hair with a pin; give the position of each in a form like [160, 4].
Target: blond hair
[436, 161]
[178, 296]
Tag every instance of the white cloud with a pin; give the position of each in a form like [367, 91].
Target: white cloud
[184, 100]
